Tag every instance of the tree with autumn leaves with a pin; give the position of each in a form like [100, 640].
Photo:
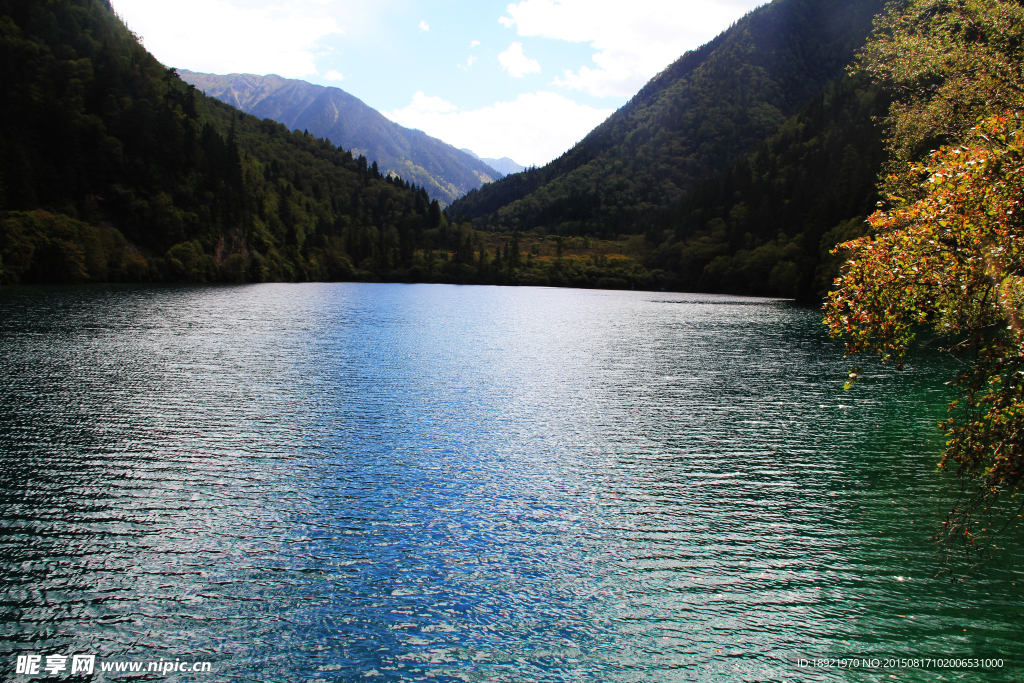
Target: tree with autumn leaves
[946, 249]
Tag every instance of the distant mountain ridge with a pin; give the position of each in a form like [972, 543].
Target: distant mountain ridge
[504, 165]
[327, 112]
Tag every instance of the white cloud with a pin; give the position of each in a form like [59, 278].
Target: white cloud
[225, 36]
[474, 43]
[470, 61]
[532, 129]
[333, 76]
[516, 63]
[428, 104]
[424, 26]
[634, 40]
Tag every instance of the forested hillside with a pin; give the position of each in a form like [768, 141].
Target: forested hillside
[113, 169]
[446, 172]
[767, 224]
[690, 122]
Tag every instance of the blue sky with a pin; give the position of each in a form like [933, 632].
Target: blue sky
[525, 80]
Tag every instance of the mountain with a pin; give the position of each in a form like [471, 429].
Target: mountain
[767, 225]
[504, 166]
[114, 169]
[446, 172]
[711, 107]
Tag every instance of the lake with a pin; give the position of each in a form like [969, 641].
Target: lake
[340, 482]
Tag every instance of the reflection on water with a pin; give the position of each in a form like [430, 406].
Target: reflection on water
[339, 482]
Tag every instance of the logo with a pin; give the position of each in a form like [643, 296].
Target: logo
[34, 665]
[86, 665]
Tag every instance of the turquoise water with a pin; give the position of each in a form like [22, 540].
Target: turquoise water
[423, 482]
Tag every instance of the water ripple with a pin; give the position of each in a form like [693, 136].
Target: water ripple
[339, 482]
